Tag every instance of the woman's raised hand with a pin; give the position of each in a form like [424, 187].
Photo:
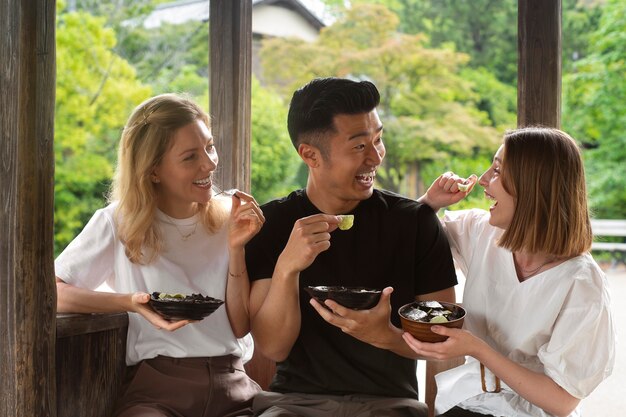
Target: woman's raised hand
[448, 189]
[246, 219]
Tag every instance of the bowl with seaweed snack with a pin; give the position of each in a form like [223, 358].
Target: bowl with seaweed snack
[356, 298]
[183, 307]
[418, 317]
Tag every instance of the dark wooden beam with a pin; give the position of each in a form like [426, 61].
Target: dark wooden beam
[230, 90]
[539, 63]
[27, 289]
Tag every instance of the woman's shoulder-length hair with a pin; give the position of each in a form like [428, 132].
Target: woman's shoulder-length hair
[543, 169]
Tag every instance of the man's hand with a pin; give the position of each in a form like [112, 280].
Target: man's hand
[310, 236]
[371, 326]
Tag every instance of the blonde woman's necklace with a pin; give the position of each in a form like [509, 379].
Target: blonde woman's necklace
[183, 236]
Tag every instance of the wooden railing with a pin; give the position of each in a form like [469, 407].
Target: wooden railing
[614, 228]
[90, 363]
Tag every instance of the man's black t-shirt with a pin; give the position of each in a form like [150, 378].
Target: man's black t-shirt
[394, 242]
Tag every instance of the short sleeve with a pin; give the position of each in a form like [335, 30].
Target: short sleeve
[462, 228]
[88, 260]
[581, 351]
[432, 254]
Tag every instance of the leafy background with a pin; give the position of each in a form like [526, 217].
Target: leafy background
[446, 70]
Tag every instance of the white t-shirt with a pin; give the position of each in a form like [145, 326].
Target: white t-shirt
[558, 322]
[196, 265]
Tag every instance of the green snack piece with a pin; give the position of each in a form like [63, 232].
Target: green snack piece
[165, 295]
[347, 220]
[463, 187]
[439, 319]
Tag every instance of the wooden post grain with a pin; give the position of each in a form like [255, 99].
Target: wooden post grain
[539, 66]
[230, 90]
[27, 290]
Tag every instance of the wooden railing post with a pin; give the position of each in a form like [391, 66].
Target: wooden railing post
[539, 63]
[230, 89]
[27, 290]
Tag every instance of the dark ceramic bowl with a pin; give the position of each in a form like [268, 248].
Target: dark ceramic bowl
[421, 329]
[356, 298]
[191, 307]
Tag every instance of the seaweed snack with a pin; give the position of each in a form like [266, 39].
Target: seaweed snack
[347, 220]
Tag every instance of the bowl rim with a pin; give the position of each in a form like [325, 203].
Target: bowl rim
[182, 302]
[342, 289]
[428, 323]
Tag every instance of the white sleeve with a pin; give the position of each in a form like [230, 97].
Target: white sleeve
[462, 229]
[581, 350]
[88, 260]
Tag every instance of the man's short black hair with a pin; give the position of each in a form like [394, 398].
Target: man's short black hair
[314, 106]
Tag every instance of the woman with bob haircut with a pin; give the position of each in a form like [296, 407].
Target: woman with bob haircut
[165, 230]
[538, 334]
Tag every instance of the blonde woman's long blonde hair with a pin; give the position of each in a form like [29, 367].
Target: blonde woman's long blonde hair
[147, 136]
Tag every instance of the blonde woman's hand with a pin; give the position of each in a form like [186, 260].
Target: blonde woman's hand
[246, 219]
[139, 303]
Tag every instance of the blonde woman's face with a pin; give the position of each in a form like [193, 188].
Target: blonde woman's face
[504, 203]
[184, 177]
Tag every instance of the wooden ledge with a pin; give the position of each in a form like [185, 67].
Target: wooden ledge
[71, 324]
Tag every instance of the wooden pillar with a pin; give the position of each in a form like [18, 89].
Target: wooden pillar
[539, 63]
[230, 90]
[27, 290]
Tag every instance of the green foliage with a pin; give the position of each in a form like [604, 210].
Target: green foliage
[274, 159]
[171, 58]
[579, 22]
[486, 30]
[430, 111]
[595, 112]
[96, 91]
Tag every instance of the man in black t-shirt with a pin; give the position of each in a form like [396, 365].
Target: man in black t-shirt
[336, 361]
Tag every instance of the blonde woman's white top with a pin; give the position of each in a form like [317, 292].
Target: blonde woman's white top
[558, 322]
[196, 265]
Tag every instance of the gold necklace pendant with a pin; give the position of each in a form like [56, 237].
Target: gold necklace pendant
[183, 236]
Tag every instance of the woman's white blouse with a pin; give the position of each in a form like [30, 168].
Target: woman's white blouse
[196, 265]
[558, 322]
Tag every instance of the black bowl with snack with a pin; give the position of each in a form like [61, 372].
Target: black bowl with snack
[183, 307]
[356, 298]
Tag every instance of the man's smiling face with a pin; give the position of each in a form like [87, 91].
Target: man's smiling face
[346, 176]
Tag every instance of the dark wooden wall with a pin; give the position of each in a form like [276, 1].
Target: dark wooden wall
[27, 291]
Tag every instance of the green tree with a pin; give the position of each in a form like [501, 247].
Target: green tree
[96, 91]
[595, 112]
[486, 29]
[274, 159]
[431, 113]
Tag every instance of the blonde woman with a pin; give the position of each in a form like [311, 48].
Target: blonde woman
[538, 333]
[166, 231]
